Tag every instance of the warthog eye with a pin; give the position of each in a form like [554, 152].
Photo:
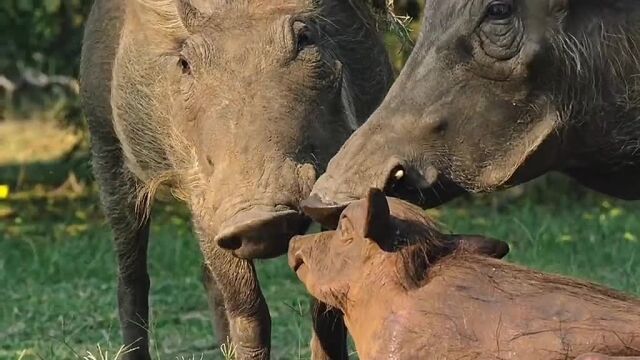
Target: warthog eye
[184, 65]
[304, 36]
[500, 10]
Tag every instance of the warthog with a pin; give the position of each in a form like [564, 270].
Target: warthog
[498, 92]
[594, 356]
[234, 106]
[406, 295]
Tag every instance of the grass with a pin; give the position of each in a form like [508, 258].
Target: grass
[57, 267]
[58, 270]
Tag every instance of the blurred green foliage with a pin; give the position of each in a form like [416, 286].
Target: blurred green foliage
[41, 37]
[44, 37]
[41, 34]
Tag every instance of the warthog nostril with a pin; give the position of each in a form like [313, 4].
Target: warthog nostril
[231, 243]
[326, 214]
[260, 232]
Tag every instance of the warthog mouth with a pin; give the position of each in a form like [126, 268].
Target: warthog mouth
[261, 232]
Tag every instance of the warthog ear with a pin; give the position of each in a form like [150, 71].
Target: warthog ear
[190, 16]
[165, 19]
[377, 222]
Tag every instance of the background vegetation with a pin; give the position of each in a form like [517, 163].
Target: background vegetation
[41, 34]
[57, 267]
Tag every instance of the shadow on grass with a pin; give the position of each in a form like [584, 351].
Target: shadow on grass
[48, 174]
[58, 260]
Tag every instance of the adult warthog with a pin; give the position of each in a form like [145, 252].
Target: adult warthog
[235, 106]
[498, 92]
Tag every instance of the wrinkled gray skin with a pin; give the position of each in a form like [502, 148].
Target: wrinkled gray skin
[498, 92]
[234, 107]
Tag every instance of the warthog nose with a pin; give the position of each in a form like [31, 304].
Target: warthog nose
[229, 242]
[260, 233]
[327, 214]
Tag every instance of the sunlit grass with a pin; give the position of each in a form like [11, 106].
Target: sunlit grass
[104, 354]
[58, 269]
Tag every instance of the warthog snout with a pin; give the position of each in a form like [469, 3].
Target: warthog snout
[325, 213]
[261, 232]
[332, 194]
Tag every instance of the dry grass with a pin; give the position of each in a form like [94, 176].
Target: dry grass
[392, 23]
[36, 140]
[104, 354]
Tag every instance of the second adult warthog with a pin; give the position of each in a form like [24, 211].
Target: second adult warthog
[496, 93]
[235, 106]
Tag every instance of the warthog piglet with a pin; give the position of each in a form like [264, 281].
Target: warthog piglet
[408, 292]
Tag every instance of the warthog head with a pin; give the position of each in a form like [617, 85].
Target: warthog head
[495, 93]
[377, 237]
[238, 105]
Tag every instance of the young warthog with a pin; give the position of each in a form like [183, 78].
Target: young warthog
[594, 356]
[386, 268]
[497, 92]
[235, 106]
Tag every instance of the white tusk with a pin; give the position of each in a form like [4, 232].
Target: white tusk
[399, 174]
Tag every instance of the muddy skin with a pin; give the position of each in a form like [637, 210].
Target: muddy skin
[235, 107]
[405, 294]
[496, 93]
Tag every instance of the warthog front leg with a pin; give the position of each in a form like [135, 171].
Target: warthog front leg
[133, 292]
[216, 305]
[248, 317]
[131, 233]
[329, 340]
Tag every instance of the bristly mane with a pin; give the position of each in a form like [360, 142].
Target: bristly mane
[599, 59]
[425, 253]
[418, 242]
